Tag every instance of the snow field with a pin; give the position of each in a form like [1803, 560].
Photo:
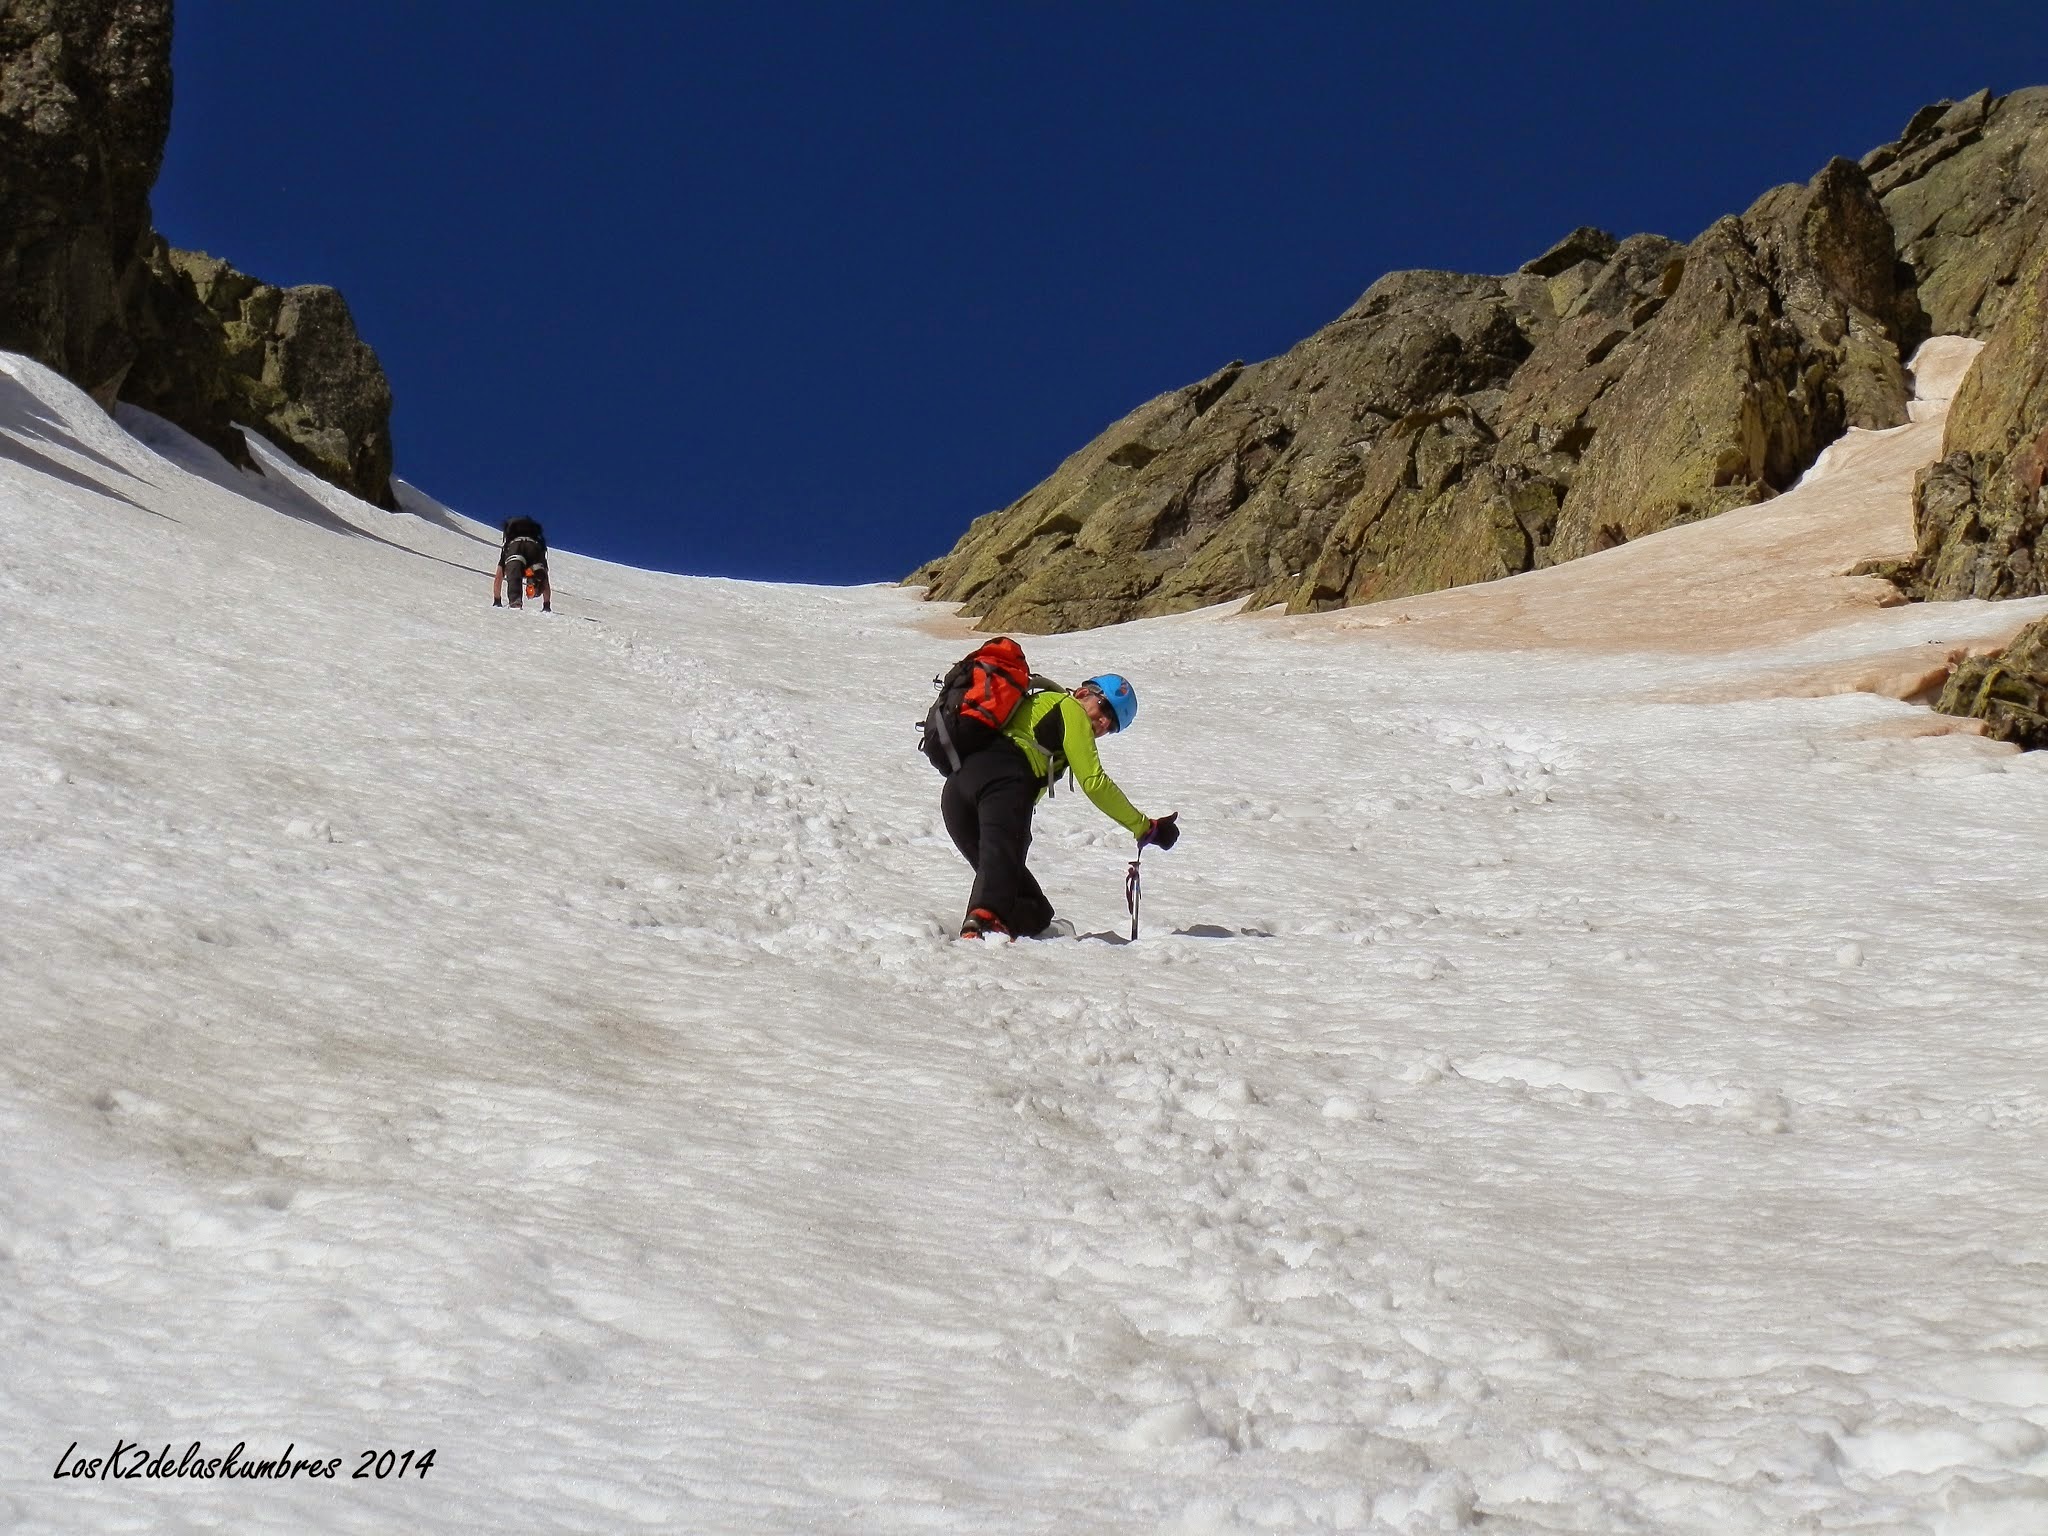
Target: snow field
[1534, 1104]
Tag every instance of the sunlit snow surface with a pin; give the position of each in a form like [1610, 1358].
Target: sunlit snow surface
[1532, 1105]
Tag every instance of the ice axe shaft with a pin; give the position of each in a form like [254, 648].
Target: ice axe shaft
[1132, 891]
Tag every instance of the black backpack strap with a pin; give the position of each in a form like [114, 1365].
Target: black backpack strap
[938, 721]
[1051, 734]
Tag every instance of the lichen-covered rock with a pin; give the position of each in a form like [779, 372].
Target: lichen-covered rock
[2008, 691]
[85, 106]
[1781, 330]
[218, 348]
[1232, 484]
[1979, 514]
[1448, 429]
[1963, 190]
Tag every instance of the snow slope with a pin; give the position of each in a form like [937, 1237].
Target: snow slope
[1542, 1099]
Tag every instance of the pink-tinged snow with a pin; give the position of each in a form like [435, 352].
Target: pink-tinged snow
[1552, 1091]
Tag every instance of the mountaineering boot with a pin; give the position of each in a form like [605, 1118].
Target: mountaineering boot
[980, 923]
[1058, 928]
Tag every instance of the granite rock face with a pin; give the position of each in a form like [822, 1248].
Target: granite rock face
[1449, 429]
[88, 288]
[1961, 190]
[85, 105]
[218, 347]
[1975, 218]
[1979, 513]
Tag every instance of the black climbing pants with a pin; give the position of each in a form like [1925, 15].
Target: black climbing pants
[987, 806]
[517, 570]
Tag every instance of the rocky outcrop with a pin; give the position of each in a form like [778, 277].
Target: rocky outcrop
[88, 288]
[217, 348]
[1979, 513]
[1232, 484]
[85, 105]
[1966, 190]
[2007, 691]
[1960, 188]
[1449, 429]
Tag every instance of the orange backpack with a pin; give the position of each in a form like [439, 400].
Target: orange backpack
[976, 699]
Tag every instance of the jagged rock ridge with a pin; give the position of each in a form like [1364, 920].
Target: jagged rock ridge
[1449, 429]
[89, 288]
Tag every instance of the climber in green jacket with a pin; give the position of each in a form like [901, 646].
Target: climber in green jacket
[988, 803]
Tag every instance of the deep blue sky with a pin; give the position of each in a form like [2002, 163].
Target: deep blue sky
[795, 291]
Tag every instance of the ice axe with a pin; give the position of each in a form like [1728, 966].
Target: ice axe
[1165, 832]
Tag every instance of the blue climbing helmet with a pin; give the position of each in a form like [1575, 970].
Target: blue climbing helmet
[1119, 695]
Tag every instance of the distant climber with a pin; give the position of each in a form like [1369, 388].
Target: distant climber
[989, 798]
[523, 563]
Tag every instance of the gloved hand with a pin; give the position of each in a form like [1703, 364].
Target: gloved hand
[1163, 833]
[497, 602]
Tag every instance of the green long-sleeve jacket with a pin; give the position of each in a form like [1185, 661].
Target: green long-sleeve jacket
[1052, 730]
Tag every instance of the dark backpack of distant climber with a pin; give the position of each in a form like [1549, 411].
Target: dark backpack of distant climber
[523, 565]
